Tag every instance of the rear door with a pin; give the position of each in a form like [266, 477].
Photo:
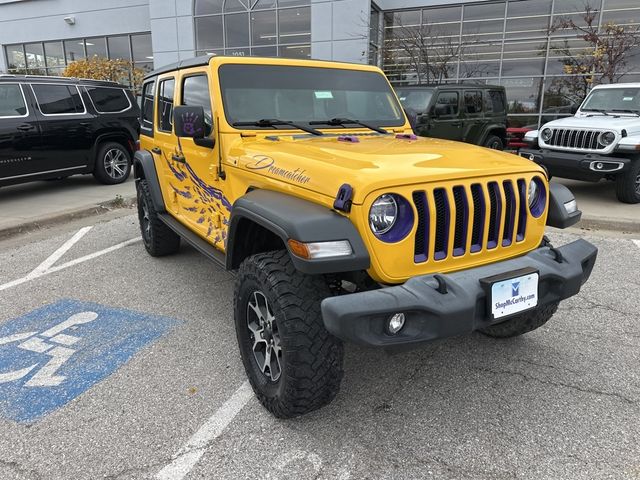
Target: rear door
[67, 126]
[473, 121]
[20, 155]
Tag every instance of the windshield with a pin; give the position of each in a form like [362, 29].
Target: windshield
[306, 94]
[613, 99]
[417, 100]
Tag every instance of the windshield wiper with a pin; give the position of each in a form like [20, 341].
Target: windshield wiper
[274, 122]
[344, 121]
[599, 110]
[635, 112]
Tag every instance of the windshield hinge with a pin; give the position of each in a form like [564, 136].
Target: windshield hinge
[344, 198]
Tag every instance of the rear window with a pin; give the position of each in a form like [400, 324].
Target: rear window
[108, 100]
[58, 99]
[11, 101]
[495, 101]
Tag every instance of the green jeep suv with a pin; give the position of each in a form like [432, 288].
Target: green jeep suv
[467, 113]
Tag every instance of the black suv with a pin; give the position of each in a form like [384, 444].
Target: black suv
[54, 127]
[464, 112]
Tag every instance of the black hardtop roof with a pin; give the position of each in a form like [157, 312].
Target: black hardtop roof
[199, 61]
[449, 85]
[47, 79]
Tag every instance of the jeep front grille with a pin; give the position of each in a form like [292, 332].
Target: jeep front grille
[578, 139]
[452, 221]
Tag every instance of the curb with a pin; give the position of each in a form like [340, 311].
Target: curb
[63, 217]
[624, 225]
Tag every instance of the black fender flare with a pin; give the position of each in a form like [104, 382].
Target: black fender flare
[145, 168]
[490, 129]
[289, 217]
[558, 216]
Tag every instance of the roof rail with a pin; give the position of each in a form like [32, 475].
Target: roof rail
[2, 75]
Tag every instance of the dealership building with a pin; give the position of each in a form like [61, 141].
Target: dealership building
[505, 42]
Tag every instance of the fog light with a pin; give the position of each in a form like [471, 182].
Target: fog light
[599, 166]
[571, 206]
[395, 324]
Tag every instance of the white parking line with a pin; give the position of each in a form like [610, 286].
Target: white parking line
[189, 455]
[46, 267]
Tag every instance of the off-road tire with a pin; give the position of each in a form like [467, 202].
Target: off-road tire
[494, 142]
[527, 322]
[311, 367]
[627, 186]
[100, 170]
[158, 239]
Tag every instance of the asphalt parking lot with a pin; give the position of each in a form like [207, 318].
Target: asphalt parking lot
[144, 379]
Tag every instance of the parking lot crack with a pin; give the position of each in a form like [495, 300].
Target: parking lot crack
[20, 469]
[569, 386]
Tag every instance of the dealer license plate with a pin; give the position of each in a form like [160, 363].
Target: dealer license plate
[514, 295]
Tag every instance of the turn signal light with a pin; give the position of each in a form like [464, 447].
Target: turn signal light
[315, 250]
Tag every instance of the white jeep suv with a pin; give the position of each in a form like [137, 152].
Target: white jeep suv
[601, 141]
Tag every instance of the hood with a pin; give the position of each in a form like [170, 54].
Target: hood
[374, 162]
[630, 123]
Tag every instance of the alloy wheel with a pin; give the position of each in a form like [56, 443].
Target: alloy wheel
[638, 185]
[116, 163]
[264, 334]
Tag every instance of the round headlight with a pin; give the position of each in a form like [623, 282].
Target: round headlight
[607, 138]
[546, 134]
[537, 196]
[532, 194]
[383, 214]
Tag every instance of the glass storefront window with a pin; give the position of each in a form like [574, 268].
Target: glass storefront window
[236, 28]
[35, 55]
[74, 50]
[296, 51]
[208, 7]
[119, 47]
[523, 121]
[141, 48]
[96, 47]
[15, 57]
[294, 25]
[523, 94]
[442, 15]
[263, 27]
[54, 54]
[209, 32]
[484, 11]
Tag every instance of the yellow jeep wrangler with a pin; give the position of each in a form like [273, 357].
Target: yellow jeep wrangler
[305, 178]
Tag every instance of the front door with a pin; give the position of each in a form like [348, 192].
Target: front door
[20, 157]
[206, 210]
[445, 117]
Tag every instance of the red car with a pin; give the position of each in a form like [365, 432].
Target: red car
[515, 137]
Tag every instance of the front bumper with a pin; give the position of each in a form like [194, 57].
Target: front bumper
[578, 166]
[361, 317]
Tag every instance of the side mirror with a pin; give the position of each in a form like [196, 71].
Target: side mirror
[412, 116]
[189, 122]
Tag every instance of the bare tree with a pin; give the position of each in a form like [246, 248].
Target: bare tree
[604, 59]
[424, 51]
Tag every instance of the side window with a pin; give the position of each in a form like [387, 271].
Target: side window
[195, 93]
[146, 109]
[108, 100]
[497, 101]
[12, 101]
[447, 104]
[473, 101]
[165, 104]
[58, 99]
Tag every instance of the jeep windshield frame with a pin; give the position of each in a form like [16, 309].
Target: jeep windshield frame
[305, 94]
[613, 101]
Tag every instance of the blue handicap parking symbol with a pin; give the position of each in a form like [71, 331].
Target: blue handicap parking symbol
[53, 354]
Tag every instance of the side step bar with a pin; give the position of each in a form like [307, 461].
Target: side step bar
[208, 250]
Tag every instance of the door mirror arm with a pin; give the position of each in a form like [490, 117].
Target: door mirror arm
[206, 142]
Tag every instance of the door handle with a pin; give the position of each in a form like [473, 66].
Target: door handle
[25, 127]
[156, 150]
[455, 124]
[178, 158]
